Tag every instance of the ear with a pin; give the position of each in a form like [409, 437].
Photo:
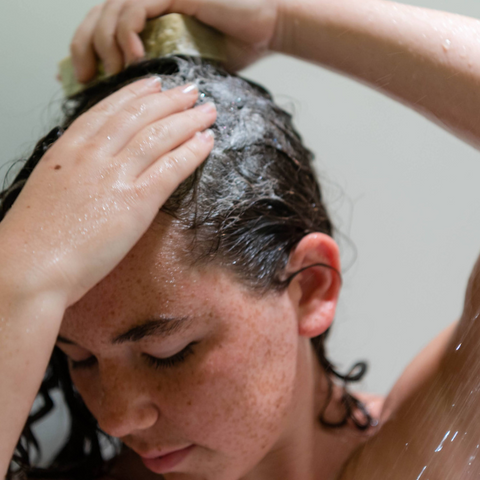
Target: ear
[315, 290]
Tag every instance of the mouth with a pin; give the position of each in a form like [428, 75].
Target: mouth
[166, 461]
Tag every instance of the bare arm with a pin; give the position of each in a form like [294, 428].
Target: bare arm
[434, 431]
[418, 372]
[428, 60]
[29, 322]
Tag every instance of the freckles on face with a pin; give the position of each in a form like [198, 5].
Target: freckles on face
[231, 396]
[234, 397]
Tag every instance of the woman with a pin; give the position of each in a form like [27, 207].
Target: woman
[235, 263]
[265, 445]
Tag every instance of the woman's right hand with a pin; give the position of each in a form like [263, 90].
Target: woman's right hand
[111, 30]
[99, 187]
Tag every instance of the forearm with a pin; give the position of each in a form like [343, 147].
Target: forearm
[29, 324]
[428, 60]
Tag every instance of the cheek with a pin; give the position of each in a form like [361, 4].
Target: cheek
[238, 398]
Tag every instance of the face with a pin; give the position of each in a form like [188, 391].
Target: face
[232, 394]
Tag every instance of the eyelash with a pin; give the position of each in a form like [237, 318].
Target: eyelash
[154, 362]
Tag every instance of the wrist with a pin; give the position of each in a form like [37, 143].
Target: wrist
[21, 278]
[304, 26]
[284, 25]
[19, 289]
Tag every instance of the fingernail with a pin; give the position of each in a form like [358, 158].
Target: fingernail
[207, 107]
[153, 82]
[189, 88]
[205, 136]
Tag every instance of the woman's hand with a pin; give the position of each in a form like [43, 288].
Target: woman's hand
[99, 187]
[110, 31]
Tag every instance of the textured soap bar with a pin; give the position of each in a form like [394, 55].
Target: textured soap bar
[172, 34]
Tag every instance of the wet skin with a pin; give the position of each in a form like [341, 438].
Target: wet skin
[247, 396]
[435, 432]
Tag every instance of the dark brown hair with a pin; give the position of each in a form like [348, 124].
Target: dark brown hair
[244, 209]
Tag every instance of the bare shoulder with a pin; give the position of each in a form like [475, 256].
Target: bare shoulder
[433, 431]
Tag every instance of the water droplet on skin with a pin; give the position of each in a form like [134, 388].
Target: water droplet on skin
[459, 347]
[421, 473]
[456, 433]
[446, 44]
[440, 447]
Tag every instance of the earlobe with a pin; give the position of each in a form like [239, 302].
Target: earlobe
[315, 288]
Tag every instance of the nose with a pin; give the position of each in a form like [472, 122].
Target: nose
[124, 405]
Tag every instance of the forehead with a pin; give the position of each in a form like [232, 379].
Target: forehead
[155, 279]
[155, 275]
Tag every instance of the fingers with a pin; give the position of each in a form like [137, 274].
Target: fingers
[163, 177]
[81, 49]
[163, 136]
[142, 111]
[88, 124]
[104, 39]
[131, 22]
[110, 32]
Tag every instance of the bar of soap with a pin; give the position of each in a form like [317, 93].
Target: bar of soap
[177, 34]
[172, 34]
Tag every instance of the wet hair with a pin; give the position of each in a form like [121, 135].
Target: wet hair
[244, 209]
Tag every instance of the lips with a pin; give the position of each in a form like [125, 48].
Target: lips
[166, 462]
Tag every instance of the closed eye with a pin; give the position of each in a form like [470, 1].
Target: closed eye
[155, 362]
[87, 363]
[172, 361]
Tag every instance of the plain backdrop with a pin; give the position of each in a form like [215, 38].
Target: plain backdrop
[403, 193]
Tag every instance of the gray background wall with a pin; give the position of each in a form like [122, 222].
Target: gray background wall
[403, 193]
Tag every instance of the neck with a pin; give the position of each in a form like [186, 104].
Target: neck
[307, 449]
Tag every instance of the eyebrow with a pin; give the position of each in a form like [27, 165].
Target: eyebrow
[162, 327]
